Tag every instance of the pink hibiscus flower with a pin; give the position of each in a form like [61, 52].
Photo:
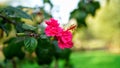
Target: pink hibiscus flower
[53, 28]
[65, 40]
[64, 37]
[53, 31]
[52, 22]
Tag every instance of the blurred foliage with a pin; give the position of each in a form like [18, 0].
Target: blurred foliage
[48, 1]
[103, 29]
[106, 24]
[12, 12]
[85, 7]
[9, 15]
[14, 48]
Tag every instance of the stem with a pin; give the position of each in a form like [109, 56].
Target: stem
[21, 34]
[28, 34]
[14, 63]
[1, 33]
[56, 63]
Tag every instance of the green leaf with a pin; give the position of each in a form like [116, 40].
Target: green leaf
[5, 27]
[28, 27]
[92, 7]
[30, 44]
[14, 48]
[48, 1]
[80, 16]
[85, 7]
[14, 12]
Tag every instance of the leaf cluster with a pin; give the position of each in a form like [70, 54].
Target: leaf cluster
[85, 7]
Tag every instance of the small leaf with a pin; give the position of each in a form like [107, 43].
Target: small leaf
[6, 28]
[43, 36]
[28, 27]
[48, 1]
[30, 44]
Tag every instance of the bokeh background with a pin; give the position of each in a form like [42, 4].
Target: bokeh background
[96, 36]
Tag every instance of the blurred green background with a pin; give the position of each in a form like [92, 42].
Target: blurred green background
[96, 38]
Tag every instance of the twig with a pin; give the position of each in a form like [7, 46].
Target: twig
[28, 34]
[6, 19]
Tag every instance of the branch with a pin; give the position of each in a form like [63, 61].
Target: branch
[28, 34]
[6, 19]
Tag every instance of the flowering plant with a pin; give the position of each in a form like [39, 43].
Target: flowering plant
[64, 37]
[34, 39]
